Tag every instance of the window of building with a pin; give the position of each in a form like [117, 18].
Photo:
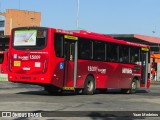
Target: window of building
[2, 22]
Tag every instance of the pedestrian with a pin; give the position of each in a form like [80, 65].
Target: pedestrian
[153, 72]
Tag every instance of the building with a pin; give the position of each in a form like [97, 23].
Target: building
[1, 27]
[19, 18]
[15, 18]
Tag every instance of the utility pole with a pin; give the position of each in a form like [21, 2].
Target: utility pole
[77, 14]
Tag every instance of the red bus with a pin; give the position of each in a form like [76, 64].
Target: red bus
[80, 61]
[3, 62]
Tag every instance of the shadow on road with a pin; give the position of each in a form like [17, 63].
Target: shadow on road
[70, 93]
[45, 93]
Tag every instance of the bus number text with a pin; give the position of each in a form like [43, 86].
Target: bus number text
[92, 68]
[35, 57]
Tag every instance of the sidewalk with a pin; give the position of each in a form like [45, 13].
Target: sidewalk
[155, 82]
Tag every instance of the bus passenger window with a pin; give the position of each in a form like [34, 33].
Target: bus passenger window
[58, 44]
[112, 52]
[84, 49]
[134, 55]
[99, 51]
[124, 54]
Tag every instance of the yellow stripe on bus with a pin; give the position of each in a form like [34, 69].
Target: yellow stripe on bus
[70, 37]
[144, 49]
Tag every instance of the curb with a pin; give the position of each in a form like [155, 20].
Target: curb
[155, 82]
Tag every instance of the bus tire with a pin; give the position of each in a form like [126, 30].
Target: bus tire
[133, 86]
[89, 86]
[132, 89]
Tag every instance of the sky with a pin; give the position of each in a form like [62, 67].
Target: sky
[101, 16]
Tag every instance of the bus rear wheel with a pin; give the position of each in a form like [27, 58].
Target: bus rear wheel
[89, 86]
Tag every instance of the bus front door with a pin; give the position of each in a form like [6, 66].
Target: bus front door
[70, 64]
[145, 61]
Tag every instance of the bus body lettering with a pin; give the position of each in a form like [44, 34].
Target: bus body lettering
[127, 70]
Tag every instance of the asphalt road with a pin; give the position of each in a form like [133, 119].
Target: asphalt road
[35, 99]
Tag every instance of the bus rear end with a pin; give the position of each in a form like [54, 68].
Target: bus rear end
[28, 56]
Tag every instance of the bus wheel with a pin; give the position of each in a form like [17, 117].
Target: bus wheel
[132, 89]
[52, 90]
[89, 86]
[133, 86]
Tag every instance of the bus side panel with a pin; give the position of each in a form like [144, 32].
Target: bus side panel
[56, 65]
[63, 73]
[58, 72]
[103, 72]
[126, 76]
[114, 74]
[70, 73]
[107, 74]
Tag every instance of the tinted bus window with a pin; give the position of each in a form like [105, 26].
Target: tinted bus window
[99, 51]
[1, 58]
[112, 52]
[124, 54]
[85, 49]
[58, 45]
[134, 55]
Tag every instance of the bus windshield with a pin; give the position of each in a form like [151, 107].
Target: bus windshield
[29, 39]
